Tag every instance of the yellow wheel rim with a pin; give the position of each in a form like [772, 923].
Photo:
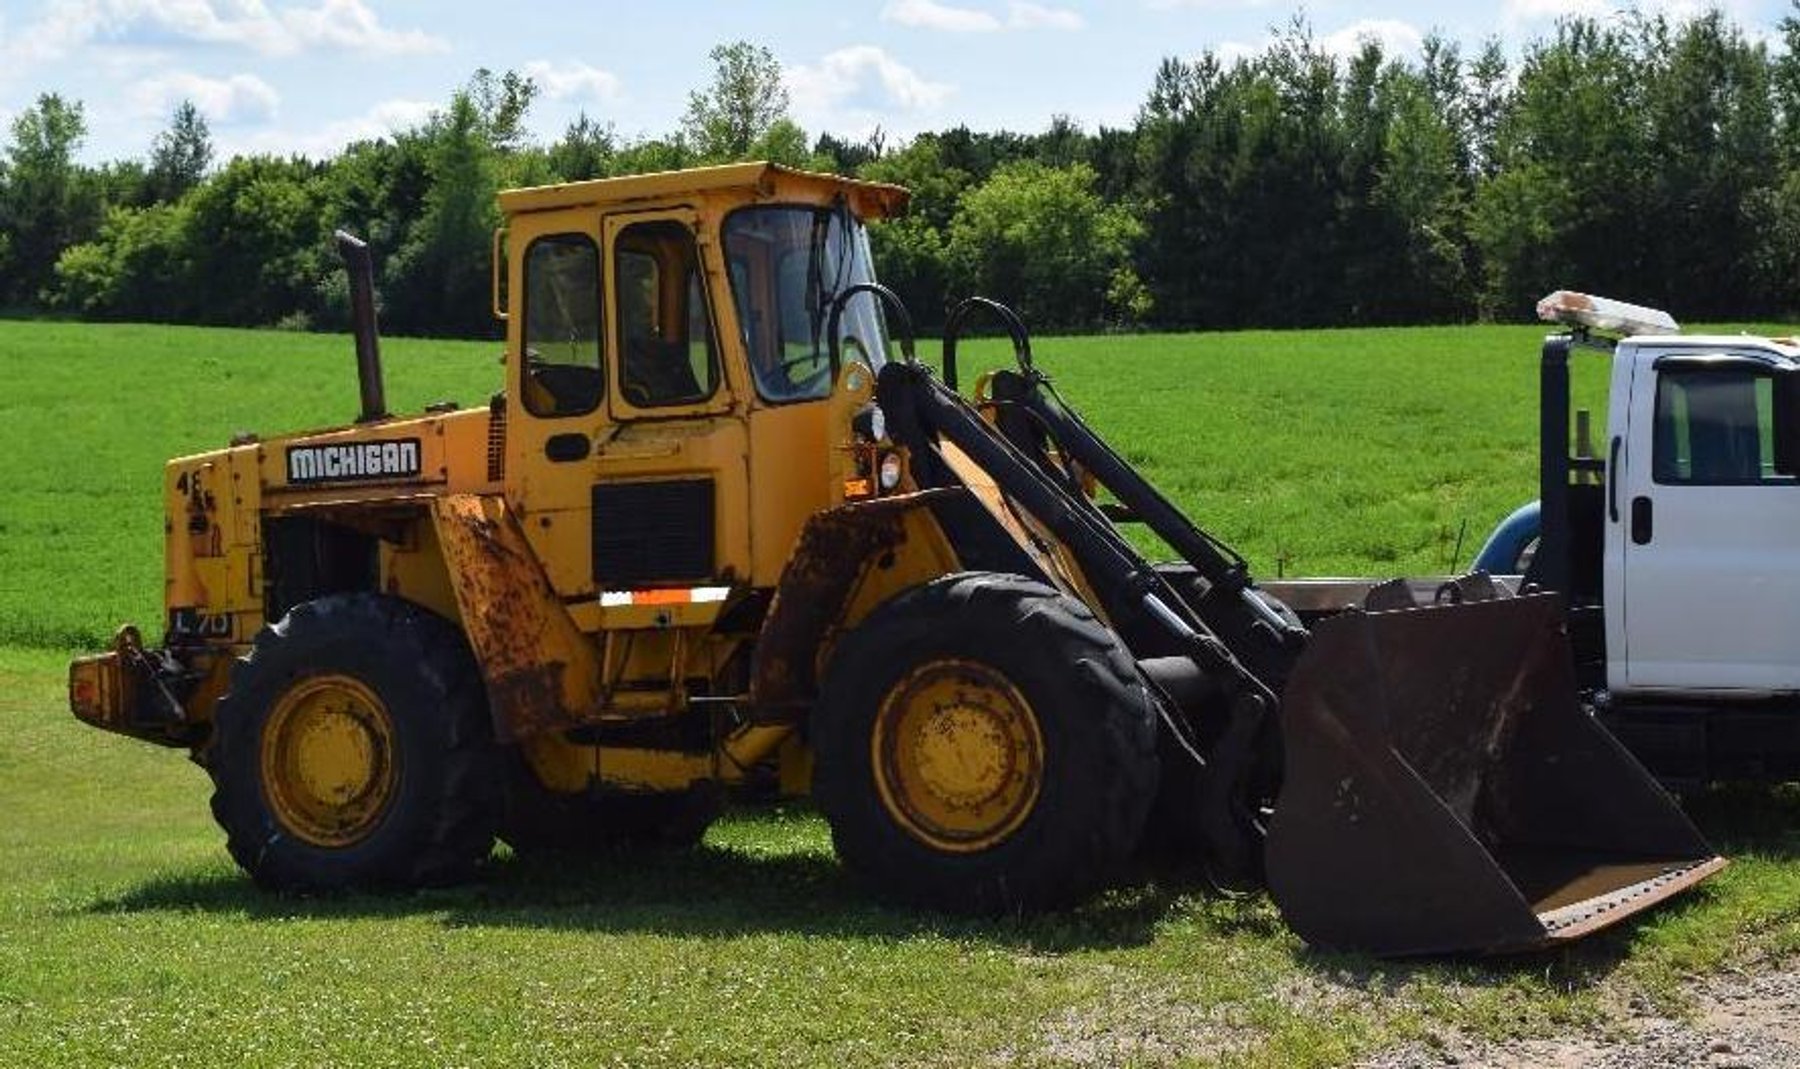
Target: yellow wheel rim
[958, 756]
[328, 760]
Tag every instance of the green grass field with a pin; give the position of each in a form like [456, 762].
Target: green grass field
[1315, 452]
[128, 938]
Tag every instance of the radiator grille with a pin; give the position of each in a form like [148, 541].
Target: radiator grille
[497, 438]
[652, 532]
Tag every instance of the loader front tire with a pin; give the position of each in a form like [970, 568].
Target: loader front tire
[984, 744]
[354, 750]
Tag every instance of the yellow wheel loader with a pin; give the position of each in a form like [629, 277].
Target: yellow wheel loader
[720, 527]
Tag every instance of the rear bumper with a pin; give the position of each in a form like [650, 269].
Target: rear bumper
[123, 691]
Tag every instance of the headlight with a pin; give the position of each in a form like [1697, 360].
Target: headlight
[869, 423]
[890, 471]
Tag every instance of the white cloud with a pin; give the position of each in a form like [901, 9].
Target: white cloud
[1520, 12]
[241, 98]
[284, 29]
[1027, 16]
[573, 81]
[853, 90]
[1230, 53]
[351, 25]
[1206, 5]
[931, 15]
[383, 120]
[1517, 15]
[864, 73]
[1020, 15]
[1396, 38]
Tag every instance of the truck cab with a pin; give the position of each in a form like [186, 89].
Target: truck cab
[1676, 549]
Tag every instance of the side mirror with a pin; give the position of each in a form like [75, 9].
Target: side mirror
[1787, 421]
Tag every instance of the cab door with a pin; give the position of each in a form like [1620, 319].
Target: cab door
[556, 405]
[1706, 532]
[670, 493]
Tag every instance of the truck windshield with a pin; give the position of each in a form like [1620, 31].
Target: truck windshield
[788, 264]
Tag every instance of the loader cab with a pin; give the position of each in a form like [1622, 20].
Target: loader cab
[667, 369]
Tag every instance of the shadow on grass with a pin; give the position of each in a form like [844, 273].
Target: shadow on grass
[706, 892]
[1740, 820]
[722, 891]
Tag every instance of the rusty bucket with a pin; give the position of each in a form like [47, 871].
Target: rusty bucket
[1444, 790]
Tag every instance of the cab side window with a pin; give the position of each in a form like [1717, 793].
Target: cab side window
[562, 326]
[665, 329]
[1714, 428]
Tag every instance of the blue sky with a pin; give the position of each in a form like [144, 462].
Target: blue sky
[309, 75]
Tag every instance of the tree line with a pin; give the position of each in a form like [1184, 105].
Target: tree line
[1641, 157]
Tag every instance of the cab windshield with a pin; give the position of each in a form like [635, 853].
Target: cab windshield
[788, 264]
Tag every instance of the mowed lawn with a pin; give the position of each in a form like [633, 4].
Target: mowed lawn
[128, 938]
[1314, 452]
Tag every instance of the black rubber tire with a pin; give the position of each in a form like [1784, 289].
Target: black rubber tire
[440, 823]
[541, 821]
[1092, 708]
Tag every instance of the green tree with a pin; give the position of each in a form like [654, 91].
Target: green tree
[501, 103]
[253, 231]
[438, 281]
[49, 203]
[585, 150]
[740, 108]
[139, 267]
[1570, 155]
[180, 155]
[1040, 239]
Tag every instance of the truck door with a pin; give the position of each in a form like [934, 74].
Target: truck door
[1706, 532]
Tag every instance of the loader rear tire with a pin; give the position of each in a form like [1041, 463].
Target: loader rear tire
[354, 750]
[984, 744]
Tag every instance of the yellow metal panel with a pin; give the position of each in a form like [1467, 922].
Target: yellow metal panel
[541, 671]
[425, 434]
[559, 764]
[790, 469]
[653, 770]
[413, 568]
[100, 690]
[735, 183]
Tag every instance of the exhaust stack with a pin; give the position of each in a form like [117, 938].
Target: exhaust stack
[361, 270]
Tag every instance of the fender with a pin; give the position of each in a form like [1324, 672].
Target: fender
[847, 560]
[542, 672]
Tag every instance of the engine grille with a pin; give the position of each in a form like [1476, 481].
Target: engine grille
[496, 446]
[652, 532]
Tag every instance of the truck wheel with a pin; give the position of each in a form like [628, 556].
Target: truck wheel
[984, 744]
[542, 821]
[354, 750]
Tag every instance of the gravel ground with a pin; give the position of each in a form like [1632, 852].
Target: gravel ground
[1745, 1020]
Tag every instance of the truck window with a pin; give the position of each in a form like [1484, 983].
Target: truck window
[1714, 428]
[669, 357]
[562, 326]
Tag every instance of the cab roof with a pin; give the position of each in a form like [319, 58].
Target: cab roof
[750, 181]
[1785, 346]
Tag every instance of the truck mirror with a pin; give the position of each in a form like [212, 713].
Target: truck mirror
[1787, 421]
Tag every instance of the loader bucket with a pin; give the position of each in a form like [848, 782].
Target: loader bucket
[1444, 790]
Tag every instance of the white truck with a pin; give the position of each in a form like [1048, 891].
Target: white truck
[1681, 561]
[1677, 550]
